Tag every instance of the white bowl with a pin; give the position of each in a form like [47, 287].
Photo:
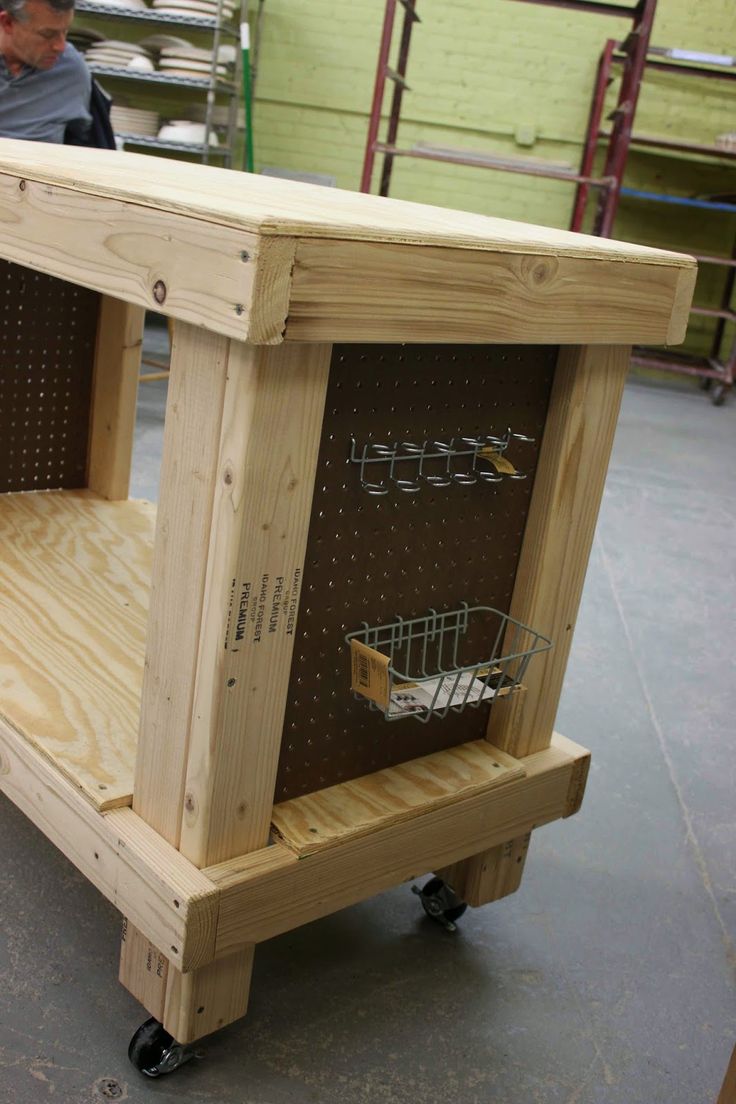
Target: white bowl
[185, 132]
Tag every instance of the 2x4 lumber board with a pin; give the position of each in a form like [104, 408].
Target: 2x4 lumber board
[209, 998]
[144, 970]
[147, 223]
[189, 1005]
[489, 876]
[347, 811]
[75, 574]
[189, 473]
[167, 898]
[232, 534]
[268, 460]
[198, 271]
[361, 291]
[114, 395]
[210, 742]
[727, 1095]
[272, 890]
[568, 487]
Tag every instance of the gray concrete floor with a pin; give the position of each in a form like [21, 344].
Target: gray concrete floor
[608, 979]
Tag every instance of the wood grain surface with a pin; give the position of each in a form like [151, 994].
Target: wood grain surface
[252, 257]
[356, 808]
[140, 874]
[271, 206]
[74, 579]
[273, 890]
[369, 291]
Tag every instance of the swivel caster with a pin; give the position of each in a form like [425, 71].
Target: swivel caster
[440, 903]
[154, 1052]
[718, 394]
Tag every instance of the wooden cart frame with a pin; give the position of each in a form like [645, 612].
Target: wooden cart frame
[261, 276]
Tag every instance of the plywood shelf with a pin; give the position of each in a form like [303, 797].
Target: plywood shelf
[75, 575]
[388, 797]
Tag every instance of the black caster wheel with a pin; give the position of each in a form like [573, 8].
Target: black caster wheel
[718, 394]
[154, 1052]
[440, 903]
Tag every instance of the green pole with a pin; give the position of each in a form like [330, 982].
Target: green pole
[247, 97]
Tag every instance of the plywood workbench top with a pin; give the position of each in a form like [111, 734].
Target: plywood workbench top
[270, 206]
[266, 259]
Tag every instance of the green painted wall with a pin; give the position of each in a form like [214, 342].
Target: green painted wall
[498, 75]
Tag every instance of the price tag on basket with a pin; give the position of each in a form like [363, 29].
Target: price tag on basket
[370, 673]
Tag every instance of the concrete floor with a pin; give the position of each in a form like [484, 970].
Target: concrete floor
[608, 979]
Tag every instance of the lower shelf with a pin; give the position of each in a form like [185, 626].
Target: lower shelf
[193, 917]
[75, 574]
[388, 797]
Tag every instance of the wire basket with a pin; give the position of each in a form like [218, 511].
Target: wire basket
[421, 669]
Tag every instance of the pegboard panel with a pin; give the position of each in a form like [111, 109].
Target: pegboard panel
[47, 338]
[375, 558]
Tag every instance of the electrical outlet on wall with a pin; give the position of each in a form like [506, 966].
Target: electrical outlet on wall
[525, 134]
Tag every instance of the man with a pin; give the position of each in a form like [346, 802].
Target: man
[44, 83]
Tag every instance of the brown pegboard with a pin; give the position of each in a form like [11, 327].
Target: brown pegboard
[47, 344]
[373, 558]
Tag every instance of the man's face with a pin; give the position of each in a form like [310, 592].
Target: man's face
[38, 39]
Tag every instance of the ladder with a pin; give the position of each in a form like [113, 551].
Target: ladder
[634, 52]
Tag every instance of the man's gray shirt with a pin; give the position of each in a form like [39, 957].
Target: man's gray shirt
[39, 104]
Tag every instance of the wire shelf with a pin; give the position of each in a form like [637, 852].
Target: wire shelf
[160, 78]
[412, 466]
[202, 22]
[419, 668]
[180, 147]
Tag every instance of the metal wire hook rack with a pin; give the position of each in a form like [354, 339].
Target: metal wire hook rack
[414, 668]
[483, 455]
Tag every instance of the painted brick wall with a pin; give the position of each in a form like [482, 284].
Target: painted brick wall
[481, 71]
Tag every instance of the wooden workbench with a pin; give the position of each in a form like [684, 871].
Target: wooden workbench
[175, 705]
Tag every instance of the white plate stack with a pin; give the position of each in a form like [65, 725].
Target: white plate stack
[197, 9]
[188, 61]
[111, 54]
[134, 121]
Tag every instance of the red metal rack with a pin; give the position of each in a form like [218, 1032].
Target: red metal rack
[717, 370]
[634, 50]
[635, 55]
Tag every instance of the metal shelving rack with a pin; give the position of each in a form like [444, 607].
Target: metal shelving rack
[211, 84]
[635, 55]
[717, 370]
[634, 50]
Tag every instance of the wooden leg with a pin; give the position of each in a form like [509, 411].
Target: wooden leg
[209, 998]
[241, 441]
[489, 876]
[188, 1005]
[114, 394]
[727, 1095]
[568, 485]
[144, 970]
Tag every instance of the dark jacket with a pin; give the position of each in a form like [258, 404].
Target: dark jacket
[100, 132]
